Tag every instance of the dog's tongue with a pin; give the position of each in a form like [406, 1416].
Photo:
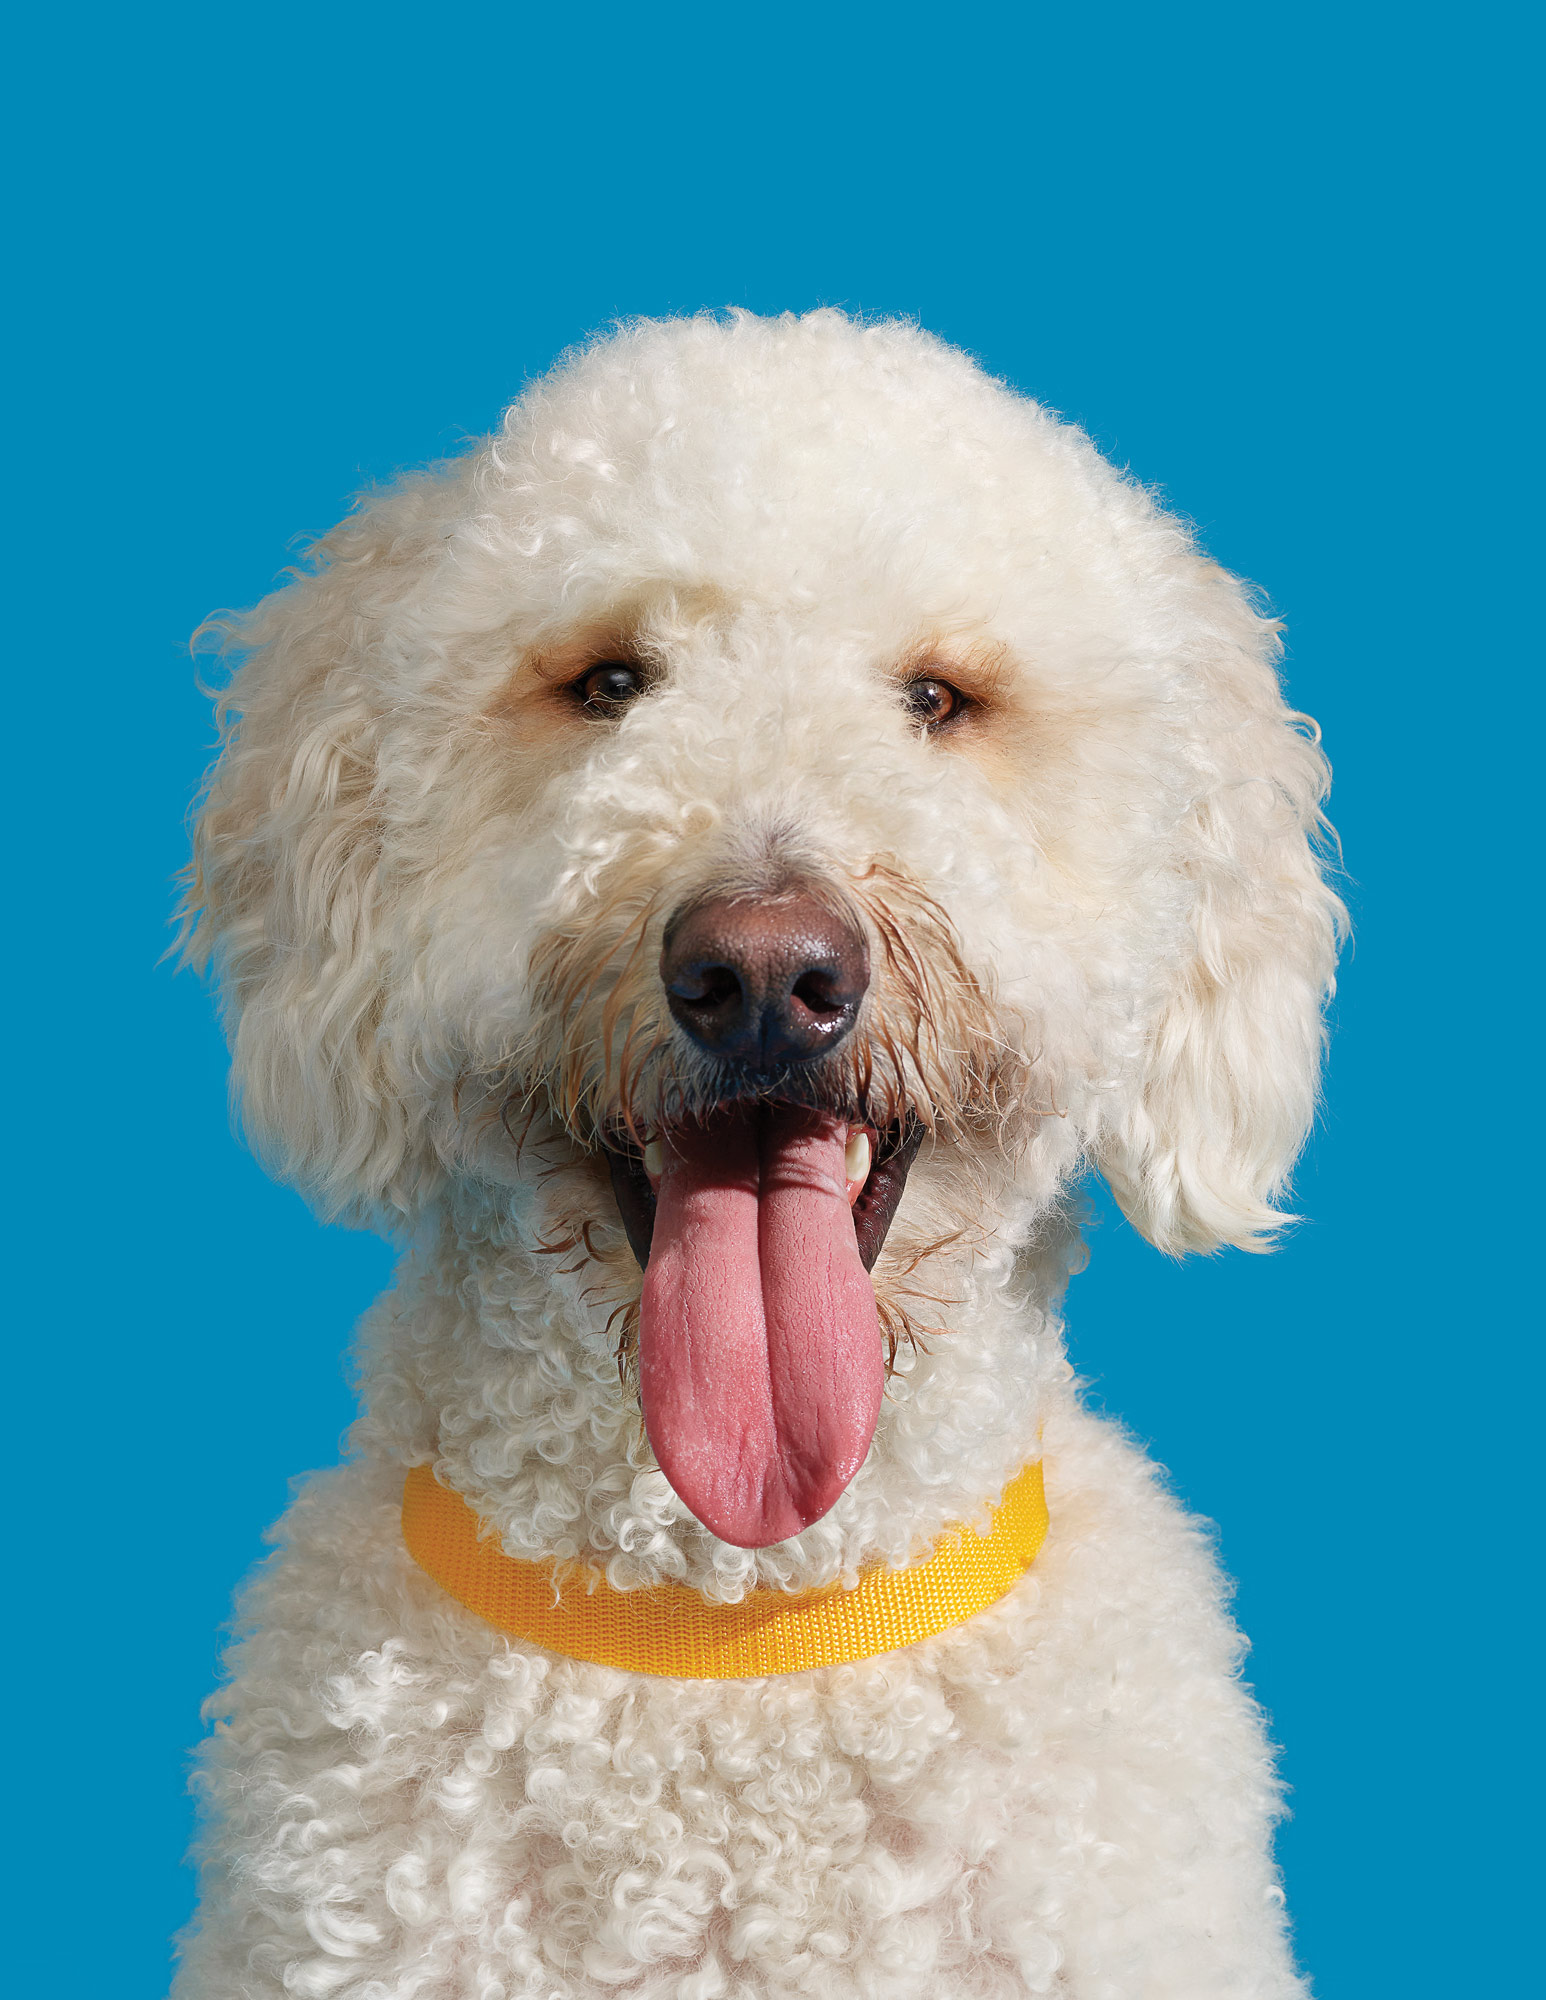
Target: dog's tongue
[759, 1347]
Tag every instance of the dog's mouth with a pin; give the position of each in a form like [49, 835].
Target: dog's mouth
[760, 1351]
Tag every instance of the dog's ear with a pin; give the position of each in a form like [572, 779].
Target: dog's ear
[284, 892]
[1230, 1069]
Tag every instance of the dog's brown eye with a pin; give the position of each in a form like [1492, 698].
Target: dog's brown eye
[932, 702]
[608, 687]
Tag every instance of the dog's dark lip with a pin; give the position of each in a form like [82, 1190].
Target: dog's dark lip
[634, 1196]
[873, 1210]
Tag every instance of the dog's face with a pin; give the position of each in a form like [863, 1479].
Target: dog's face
[773, 810]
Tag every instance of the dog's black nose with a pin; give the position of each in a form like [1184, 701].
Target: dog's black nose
[765, 981]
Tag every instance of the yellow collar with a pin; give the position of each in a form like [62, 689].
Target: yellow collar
[670, 1629]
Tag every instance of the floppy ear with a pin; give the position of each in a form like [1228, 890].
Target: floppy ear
[283, 895]
[1231, 1066]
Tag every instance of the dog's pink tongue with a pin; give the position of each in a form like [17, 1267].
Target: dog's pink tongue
[759, 1347]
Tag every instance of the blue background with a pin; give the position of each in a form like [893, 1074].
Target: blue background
[1269, 257]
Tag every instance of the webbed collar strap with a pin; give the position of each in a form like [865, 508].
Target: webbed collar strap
[669, 1629]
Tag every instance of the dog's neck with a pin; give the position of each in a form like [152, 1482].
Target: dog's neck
[495, 1357]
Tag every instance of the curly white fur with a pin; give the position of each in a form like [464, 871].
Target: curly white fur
[435, 893]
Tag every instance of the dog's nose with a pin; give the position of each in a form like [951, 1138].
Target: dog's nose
[765, 981]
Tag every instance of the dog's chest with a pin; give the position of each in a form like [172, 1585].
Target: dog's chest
[400, 1788]
[416, 1780]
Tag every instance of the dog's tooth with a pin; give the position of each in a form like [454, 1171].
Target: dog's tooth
[856, 1158]
[654, 1159]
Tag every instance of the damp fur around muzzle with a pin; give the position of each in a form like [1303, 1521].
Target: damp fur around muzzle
[603, 1054]
[930, 1058]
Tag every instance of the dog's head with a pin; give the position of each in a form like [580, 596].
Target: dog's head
[779, 759]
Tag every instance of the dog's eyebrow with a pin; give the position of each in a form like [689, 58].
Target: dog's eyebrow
[981, 668]
[569, 657]
[545, 667]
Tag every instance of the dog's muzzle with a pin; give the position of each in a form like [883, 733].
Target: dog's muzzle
[757, 1220]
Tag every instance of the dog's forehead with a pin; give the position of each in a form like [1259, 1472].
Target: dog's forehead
[789, 459]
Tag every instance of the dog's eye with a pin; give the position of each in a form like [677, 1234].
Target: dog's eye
[933, 703]
[608, 687]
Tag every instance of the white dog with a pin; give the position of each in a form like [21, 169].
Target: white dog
[779, 807]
